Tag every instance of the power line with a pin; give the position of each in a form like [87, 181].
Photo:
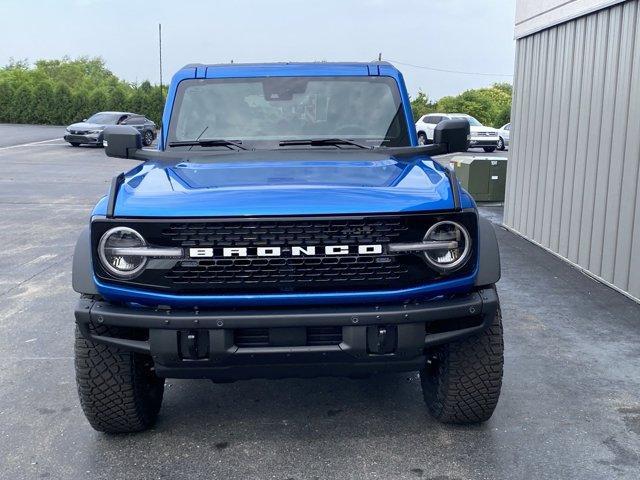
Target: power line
[451, 71]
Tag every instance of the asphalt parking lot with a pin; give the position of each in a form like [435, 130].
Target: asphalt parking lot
[570, 406]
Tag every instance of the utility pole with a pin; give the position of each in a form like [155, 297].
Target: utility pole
[160, 51]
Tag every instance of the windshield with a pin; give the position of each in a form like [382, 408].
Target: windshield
[472, 121]
[261, 112]
[105, 118]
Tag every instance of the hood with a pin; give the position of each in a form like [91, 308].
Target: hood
[475, 129]
[85, 126]
[285, 182]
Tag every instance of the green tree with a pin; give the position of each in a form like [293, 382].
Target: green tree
[116, 99]
[65, 90]
[98, 100]
[6, 101]
[421, 106]
[64, 112]
[44, 106]
[491, 106]
[23, 105]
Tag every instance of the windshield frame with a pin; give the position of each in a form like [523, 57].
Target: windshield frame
[404, 137]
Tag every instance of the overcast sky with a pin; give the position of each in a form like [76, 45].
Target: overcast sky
[460, 35]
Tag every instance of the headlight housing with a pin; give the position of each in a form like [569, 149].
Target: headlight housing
[450, 245]
[117, 264]
[94, 132]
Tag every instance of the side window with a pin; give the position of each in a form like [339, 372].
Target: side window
[432, 119]
[123, 120]
[508, 127]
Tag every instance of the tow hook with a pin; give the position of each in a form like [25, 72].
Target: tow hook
[382, 339]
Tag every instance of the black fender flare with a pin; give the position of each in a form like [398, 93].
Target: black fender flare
[488, 254]
[82, 273]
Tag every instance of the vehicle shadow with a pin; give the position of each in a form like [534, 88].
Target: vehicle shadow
[299, 408]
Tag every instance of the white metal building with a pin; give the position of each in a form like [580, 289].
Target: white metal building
[573, 184]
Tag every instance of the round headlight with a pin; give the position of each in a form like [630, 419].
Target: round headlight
[452, 245]
[117, 264]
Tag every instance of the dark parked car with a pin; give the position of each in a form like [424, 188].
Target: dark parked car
[90, 131]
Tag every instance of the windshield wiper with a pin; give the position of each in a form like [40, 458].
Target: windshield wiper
[319, 142]
[219, 142]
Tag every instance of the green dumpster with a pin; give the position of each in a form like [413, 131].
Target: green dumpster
[483, 177]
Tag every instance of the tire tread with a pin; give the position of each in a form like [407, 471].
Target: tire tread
[466, 386]
[118, 393]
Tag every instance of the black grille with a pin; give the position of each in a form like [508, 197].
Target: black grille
[287, 233]
[286, 273]
[324, 336]
[251, 337]
[315, 336]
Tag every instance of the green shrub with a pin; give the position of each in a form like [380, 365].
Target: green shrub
[60, 92]
[491, 106]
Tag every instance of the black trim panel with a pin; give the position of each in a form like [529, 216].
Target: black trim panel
[116, 183]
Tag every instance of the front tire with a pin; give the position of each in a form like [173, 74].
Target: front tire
[501, 144]
[422, 138]
[74, 144]
[119, 391]
[489, 149]
[462, 381]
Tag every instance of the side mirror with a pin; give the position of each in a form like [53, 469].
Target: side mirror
[121, 141]
[84, 119]
[453, 135]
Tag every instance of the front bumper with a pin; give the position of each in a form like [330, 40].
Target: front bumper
[213, 351]
[483, 142]
[84, 139]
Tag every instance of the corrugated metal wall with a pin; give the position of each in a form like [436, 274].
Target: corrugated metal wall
[573, 184]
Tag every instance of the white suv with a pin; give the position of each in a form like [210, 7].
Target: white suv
[481, 136]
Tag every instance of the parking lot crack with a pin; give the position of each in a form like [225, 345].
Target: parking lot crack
[39, 272]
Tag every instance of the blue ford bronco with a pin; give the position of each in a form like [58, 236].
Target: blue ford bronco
[288, 225]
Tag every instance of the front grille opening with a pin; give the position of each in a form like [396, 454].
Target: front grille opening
[123, 333]
[324, 335]
[288, 273]
[251, 337]
[451, 325]
[287, 337]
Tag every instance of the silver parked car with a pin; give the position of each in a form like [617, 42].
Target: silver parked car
[503, 132]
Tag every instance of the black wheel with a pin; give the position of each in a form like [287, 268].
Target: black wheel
[119, 391]
[147, 138]
[422, 138]
[489, 149]
[74, 144]
[462, 381]
[500, 143]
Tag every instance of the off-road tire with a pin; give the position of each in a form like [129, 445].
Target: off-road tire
[461, 383]
[119, 392]
[489, 149]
